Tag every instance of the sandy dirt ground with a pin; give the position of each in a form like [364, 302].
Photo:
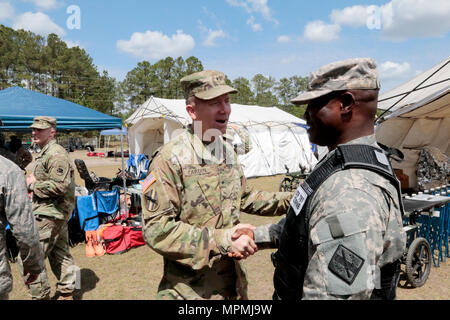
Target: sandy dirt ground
[135, 275]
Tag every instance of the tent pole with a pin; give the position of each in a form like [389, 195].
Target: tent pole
[123, 176]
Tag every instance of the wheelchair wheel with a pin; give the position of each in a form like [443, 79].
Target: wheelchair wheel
[285, 185]
[418, 262]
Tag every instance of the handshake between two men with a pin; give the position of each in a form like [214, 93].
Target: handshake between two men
[242, 241]
[246, 238]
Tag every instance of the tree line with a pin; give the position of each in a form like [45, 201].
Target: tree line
[48, 65]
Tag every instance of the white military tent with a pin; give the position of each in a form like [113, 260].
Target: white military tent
[276, 139]
[420, 117]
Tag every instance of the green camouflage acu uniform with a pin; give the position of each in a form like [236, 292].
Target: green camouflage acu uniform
[16, 210]
[188, 212]
[191, 199]
[54, 190]
[53, 202]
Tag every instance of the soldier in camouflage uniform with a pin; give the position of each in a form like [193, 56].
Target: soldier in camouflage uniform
[16, 210]
[355, 216]
[53, 186]
[192, 199]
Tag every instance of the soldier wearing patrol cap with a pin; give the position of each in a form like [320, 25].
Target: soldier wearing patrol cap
[53, 187]
[343, 235]
[192, 200]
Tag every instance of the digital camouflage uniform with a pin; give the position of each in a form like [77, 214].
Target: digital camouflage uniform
[367, 206]
[196, 194]
[53, 202]
[363, 204]
[16, 210]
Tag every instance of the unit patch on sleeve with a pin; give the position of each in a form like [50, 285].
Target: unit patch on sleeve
[152, 200]
[345, 264]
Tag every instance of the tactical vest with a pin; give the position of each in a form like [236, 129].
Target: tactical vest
[291, 259]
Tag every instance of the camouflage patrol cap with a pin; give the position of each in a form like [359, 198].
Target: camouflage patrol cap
[351, 74]
[43, 122]
[206, 85]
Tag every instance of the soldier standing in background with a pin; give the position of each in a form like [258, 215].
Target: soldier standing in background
[16, 210]
[23, 156]
[193, 196]
[53, 186]
[16, 153]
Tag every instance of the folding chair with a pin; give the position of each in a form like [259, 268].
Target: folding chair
[100, 183]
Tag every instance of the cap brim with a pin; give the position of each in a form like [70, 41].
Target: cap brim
[310, 95]
[215, 92]
[37, 126]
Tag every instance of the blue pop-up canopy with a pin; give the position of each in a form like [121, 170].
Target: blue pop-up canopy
[114, 132]
[18, 107]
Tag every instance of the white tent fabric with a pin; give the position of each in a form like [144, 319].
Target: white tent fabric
[276, 140]
[426, 84]
[421, 119]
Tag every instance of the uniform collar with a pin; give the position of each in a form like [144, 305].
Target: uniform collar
[370, 140]
[46, 147]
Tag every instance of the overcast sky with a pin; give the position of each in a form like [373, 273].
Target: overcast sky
[280, 38]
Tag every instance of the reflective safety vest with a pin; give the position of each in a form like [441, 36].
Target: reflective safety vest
[291, 259]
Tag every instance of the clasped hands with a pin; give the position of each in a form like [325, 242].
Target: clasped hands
[242, 241]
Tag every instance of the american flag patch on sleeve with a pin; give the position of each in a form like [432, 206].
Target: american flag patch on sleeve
[147, 182]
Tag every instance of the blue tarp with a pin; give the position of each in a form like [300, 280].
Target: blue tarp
[18, 107]
[114, 132]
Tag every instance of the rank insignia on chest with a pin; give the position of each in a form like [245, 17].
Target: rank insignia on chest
[147, 182]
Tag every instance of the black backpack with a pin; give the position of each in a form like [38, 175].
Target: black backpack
[76, 234]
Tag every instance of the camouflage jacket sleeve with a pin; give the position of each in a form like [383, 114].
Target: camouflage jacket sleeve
[268, 235]
[355, 224]
[264, 203]
[165, 231]
[18, 209]
[59, 177]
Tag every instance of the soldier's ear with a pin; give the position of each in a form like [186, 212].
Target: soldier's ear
[347, 101]
[191, 111]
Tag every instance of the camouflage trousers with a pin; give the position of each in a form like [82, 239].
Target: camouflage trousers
[54, 239]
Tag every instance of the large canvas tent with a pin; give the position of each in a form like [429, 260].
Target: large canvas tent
[420, 117]
[18, 107]
[275, 138]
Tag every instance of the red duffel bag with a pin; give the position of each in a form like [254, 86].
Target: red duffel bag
[119, 239]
